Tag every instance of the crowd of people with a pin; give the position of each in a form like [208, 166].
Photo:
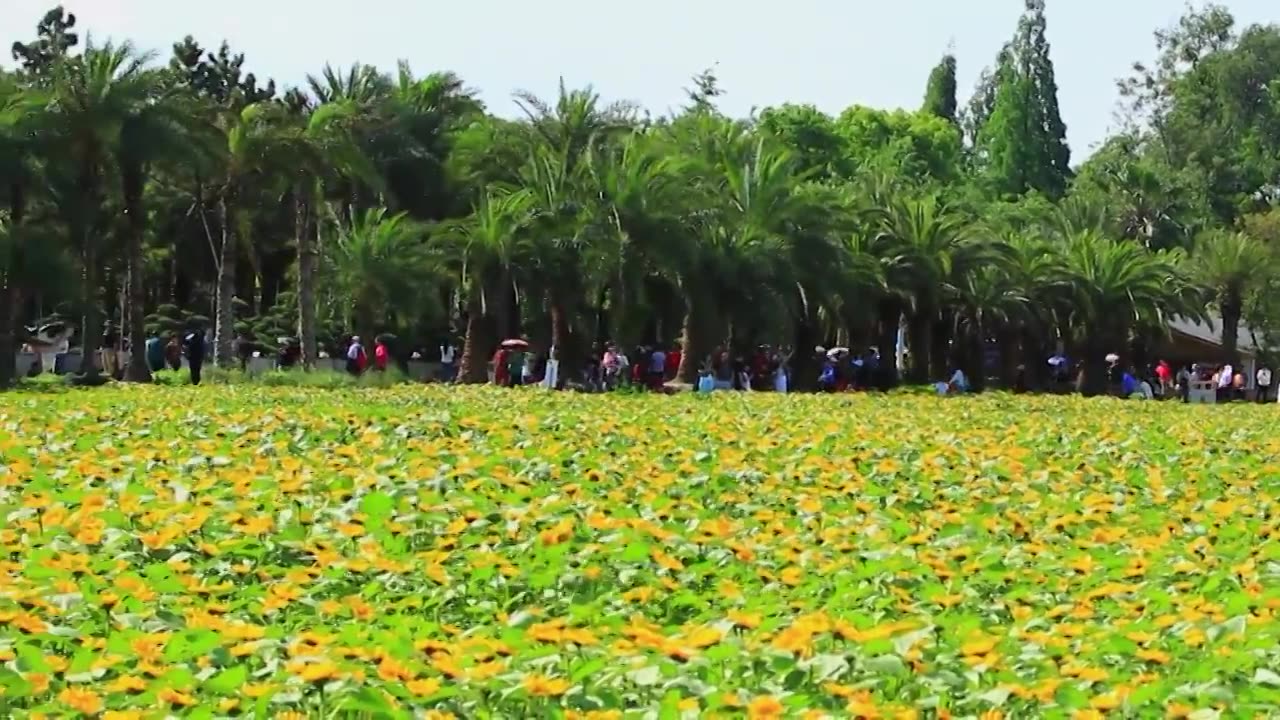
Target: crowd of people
[652, 367]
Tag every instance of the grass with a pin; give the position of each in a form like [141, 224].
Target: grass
[485, 553]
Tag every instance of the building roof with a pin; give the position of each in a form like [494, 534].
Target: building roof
[1211, 333]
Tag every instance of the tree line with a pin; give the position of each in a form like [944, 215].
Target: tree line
[161, 195]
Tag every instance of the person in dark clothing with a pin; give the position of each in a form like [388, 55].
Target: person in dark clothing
[290, 353]
[1020, 384]
[155, 353]
[244, 350]
[173, 353]
[194, 347]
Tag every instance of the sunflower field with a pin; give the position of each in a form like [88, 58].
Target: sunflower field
[476, 553]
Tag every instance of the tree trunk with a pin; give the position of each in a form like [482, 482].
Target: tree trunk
[696, 339]
[943, 351]
[1095, 367]
[1231, 311]
[977, 354]
[133, 181]
[890, 315]
[920, 337]
[306, 280]
[804, 365]
[8, 332]
[81, 226]
[224, 318]
[477, 346]
[12, 317]
[501, 305]
[1007, 339]
[560, 339]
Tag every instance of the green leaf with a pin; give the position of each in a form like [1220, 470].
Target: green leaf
[228, 681]
[368, 700]
[378, 506]
[636, 552]
[30, 659]
[587, 669]
[670, 709]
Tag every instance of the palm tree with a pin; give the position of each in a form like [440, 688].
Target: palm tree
[564, 255]
[164, 125]
[421, 117]
[21, 111]
[483, 249]
[829, 272]
[1033, 270]
[988, 302]
[576, 123]
[632, 205]
[1231, 265]
[325, 146]
[258, 138]
[379, 264]
[936, 244]
[93, 95]
[745, 205]
[1117, 286]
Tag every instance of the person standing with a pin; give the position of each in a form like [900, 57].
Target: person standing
[1225, 377]
[657, 368]
[173, 353]
[1264, 383]
[380, 355]
[1182, 383]
[194, 346]
[356, 357]
[448, 354]
[110, 360]
[551, 376]
[515, 366]
[500, 376]
[529, 373]
[155, 353]
[1164, 374]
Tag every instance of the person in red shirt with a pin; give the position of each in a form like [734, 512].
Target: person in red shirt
[501, 377]
[380, 355]
[673, 361]
[1165, 375]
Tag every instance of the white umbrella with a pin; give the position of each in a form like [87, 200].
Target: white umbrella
[1112, 357]
[833, 352]
[1057, 360]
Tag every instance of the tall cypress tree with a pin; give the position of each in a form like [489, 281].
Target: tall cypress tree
[1022, 143]
[1055, 158]
[940, 95]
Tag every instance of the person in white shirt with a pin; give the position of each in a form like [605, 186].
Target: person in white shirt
[657, 368]
[1263, 379]
[448, 354]
[551, 378]
[1225, 376]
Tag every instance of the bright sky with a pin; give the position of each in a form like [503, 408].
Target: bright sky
[832, 53]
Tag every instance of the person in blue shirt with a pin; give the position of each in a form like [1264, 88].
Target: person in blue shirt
[1128, 384]
[827, 379]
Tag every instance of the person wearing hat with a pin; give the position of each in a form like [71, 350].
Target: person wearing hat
[356, 356]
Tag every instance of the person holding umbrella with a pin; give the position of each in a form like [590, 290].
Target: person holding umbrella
[508, 362]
